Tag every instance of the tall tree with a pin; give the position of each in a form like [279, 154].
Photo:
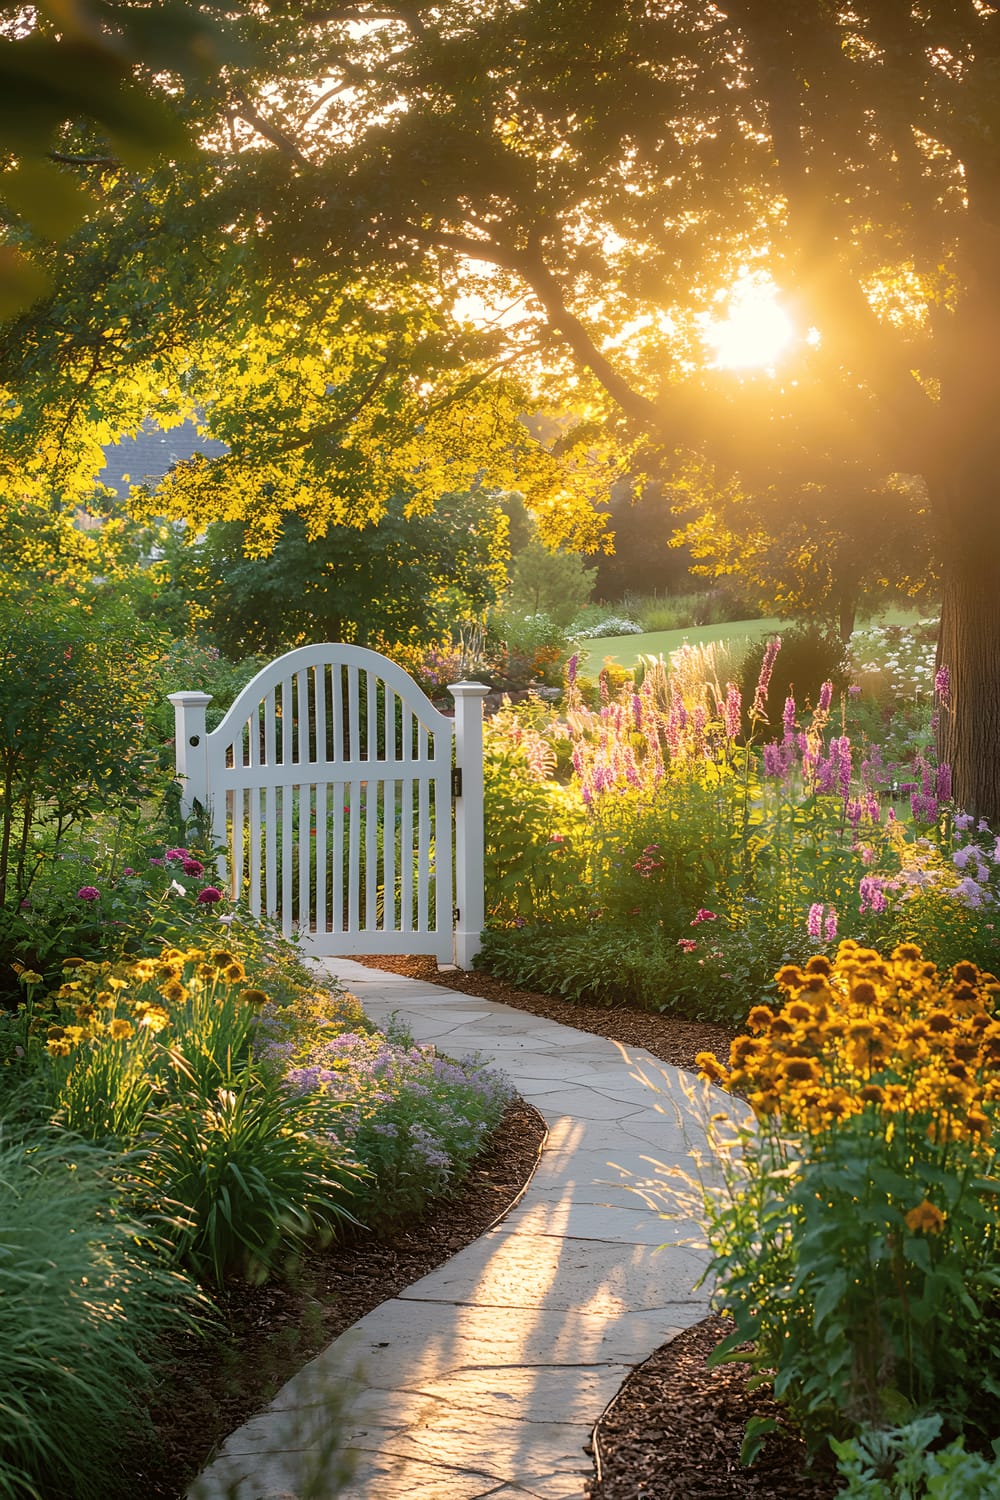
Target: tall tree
[597, 175]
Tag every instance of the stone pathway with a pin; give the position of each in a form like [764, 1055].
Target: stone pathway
[485, 1378]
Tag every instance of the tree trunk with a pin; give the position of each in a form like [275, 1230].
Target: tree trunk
[969, 721]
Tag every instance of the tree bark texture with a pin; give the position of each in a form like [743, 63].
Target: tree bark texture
[969, 722]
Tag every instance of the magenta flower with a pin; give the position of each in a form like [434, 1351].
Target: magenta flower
[830, 925]
[571, 668]
[734, 711]
[176, 854]
[814, 924]
[702, 915]
[825, 697]
[764, 680]
[686, 945]
[208, 896]
[89, 893]
[193, 867]
[942, 684]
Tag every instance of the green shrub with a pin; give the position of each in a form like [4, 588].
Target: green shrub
[242, 1177]
[84, 1301]
[809, 656]
[896, 1463]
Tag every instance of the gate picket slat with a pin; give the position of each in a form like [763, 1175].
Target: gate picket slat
[322, 926]
[287, 722]
[406, 854]
[253, 796]
[238, 813]
[288, 801]
[353, 870]
[389, 854]
[371, 801]
[338, 791]
[423, 832]
[353, 725]
[270, 851]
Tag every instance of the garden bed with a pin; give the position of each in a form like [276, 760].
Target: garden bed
[211, 1386]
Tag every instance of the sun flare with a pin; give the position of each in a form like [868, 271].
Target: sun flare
[756, 330]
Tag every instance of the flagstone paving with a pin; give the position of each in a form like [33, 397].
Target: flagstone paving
[485, 1378]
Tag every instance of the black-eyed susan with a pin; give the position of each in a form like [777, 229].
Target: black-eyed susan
[926, 1218]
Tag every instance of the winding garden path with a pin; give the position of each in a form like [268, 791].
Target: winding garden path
[485, 1378]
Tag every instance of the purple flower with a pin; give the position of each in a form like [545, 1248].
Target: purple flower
[943, 783]
[814, 925]
[942, 684]
[193, 867]
[571, 668]
[830, 925]
[733, 711]
[788, 718]
[88, 893]
[208, 896]
[872, 892]
[826, 697]
[172, 854]
[759, 709]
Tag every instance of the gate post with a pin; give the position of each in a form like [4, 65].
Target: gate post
[191, 748]
[470, 896]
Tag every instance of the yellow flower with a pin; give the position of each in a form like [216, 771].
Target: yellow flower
[173, 991]
[153, 1017]
[121, 1029]
[221, 958]
[28, 976]
[234, 972]
[802, 1069]
[925, 1219]
[760, 1018]
[86, 1011]
[258, 997]
[58, 1047]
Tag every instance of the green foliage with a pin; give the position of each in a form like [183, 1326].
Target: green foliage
[809, 656]
[241, 1176]
[84, 1301]
[403, 580]
[550, 582]
[414, 1121]
[896, 1463]
[75, 681]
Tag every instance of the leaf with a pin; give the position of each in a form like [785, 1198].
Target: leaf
[757, 1430]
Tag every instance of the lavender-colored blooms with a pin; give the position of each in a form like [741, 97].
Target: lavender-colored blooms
[830, 925]
[733, 717]
[814, 924]
[943, 786]
[571, 668]
[872, 892]
[788, 717]
[942, 684]
[771, 650]
[969, 892]
[825, 697]
[963, 822]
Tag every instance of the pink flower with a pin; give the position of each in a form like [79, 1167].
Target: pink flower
[702, 915]
[176, 854]
[686, 945]
[814, 925]
[830, 925]
[825, 696]
[193, 867]
[89, 893]
[942, 684]
[208, 896]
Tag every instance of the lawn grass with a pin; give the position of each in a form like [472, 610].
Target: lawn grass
[625, 650]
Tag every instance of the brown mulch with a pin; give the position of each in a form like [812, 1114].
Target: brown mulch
[210, 1386]
[675, 1429]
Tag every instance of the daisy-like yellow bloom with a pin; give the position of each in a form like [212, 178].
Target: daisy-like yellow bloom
[58, 1046]
[221, 957]
[234, 972]
[925, 1219]
[28, 976]
[173, 991]
[121, 1029]
[85, 1011]
[153, 1017]
[760, 1018]
[258, 997]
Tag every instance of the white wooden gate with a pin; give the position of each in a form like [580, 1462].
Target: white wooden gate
[349, 808]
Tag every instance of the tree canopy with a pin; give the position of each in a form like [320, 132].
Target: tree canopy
[481, 209]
